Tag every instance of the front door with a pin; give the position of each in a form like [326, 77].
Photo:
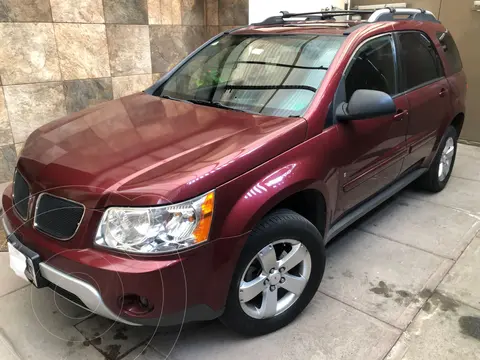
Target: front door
[375, 147]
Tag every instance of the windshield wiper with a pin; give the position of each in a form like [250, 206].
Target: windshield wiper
[168, 97]
[218, 105]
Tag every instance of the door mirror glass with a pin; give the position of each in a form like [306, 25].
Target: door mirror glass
[366, 104]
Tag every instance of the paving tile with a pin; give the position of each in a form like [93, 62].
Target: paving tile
[459, 193]
[39, 325]
[436, 229]
[33, 105]
[461, 283]
[170, 44]
[154, 12]
[383, 278]
[85, 11]
[443, 329]
[129, 49]
[28, 53]
[80, 94]
[467, 167]
[5, 130]
[469, 150]
[212, 12]
[83, 51]
[8, 160]
[327, 329]
[32, 10]
[233, 12]
[126, 11]
[171, 12]
[113, 339]
[127, 85]
[9, 282]
[144, 352]
[193, 12]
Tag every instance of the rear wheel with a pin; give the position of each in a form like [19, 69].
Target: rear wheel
[278, 273]
[441, 168]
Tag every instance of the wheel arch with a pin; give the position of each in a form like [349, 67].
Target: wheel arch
[457, 122]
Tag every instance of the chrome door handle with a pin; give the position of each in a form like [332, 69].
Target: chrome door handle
[400, 115]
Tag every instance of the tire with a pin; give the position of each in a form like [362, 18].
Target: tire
[431, 180]
[277, 232]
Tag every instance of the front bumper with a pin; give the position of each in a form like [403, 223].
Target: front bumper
[189, 286]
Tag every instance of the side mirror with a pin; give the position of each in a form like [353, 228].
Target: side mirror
[366, 104]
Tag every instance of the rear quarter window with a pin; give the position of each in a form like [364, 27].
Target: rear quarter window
[451, 51]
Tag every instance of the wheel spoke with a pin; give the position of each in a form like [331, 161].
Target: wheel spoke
[269, 303]
[293, 258]
[440, 169]
[294, 284]
[267, 258]
[250, 289]
[449, 152]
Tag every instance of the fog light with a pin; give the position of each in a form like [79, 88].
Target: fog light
[135, 304]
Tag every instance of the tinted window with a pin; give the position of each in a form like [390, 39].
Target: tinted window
[268, 74]
[421, 62]
[373, 68]
[451, 51]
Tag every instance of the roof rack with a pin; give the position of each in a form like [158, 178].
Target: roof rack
[381, 14]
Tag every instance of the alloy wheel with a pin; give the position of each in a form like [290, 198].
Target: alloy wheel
[274, 279]
[446, 159]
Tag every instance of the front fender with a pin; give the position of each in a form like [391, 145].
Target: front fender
[251, 196]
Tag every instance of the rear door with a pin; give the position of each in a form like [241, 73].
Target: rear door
[375, 147]
[428, 94]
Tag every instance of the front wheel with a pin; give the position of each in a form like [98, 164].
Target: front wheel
[437, 176]
[278, 273]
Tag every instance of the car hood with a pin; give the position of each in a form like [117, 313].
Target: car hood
[141, 150]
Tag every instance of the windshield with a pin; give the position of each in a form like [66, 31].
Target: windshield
[267, 74]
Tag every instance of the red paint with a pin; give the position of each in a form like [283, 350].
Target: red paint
[142, 150]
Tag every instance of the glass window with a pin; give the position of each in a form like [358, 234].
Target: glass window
[451, 51]
[268, 74]
[420, 60]
[372, 68]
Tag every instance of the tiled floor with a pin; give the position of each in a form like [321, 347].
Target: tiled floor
[402, 284]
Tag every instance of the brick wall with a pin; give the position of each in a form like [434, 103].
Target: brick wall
[60, 56]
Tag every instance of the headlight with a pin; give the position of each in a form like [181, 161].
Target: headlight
[157, 229]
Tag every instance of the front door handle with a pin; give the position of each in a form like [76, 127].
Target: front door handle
[400, 115]
[443, 92]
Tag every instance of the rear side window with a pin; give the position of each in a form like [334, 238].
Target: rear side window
[420, 60]
[372, 68]
[451, 51]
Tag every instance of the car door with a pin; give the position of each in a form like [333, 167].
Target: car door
[427, 91]
[374, 147]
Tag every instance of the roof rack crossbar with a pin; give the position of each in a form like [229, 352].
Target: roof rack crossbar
[379, 14]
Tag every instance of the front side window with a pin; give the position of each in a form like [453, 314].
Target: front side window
[372, 68]
[421, 63]
[266, 74]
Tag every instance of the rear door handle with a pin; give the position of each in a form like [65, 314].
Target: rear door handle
[443, 92]
[400, 115]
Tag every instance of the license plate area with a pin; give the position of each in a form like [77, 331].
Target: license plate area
[25, 262]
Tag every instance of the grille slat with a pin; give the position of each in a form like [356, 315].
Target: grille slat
[58, 217]
[21, 194]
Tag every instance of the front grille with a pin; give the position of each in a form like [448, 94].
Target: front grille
[21, 194]
[58, 217]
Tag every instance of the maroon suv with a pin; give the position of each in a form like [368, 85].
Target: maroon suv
[214, 192]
